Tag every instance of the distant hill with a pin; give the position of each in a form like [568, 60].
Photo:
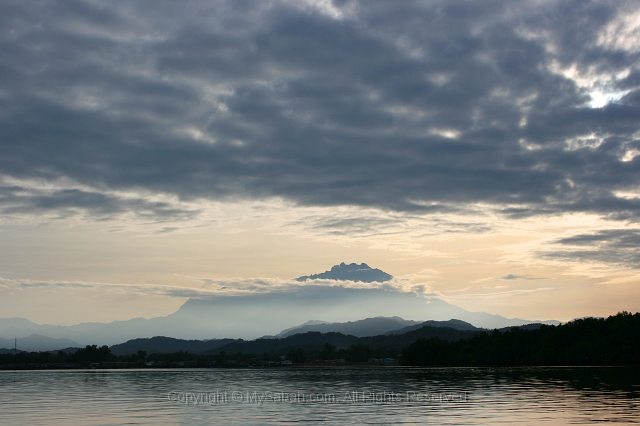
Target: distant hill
[35, 343]
[170, 345]
[361, 328]
[388, 326]
[462, 325]
[285, 332]
[8, 351]
[8, 324]
[161, 344]
[400, 341]
[314, 340]
[307, 341]
[452, 323]
[310, 341]
[352, 272]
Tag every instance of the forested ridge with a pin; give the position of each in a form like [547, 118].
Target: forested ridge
[587, 341]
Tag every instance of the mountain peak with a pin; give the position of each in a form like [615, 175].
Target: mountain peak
[351, 272]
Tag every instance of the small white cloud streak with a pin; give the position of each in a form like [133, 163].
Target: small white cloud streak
[494, 295]
[508, 277]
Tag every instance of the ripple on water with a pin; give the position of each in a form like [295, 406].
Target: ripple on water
[568, 395]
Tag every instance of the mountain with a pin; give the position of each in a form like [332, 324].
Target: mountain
[285, 332]
[361, 328]
[91, 332]
[452, 323]
[8, 351]
[9, 323]
[267, 312]
[352, 272]
[160, 344]
[426, 332]
[37, 343]
[309, 341]
[254, 315]
[313, 340]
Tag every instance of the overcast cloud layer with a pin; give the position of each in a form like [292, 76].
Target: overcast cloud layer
[530, 107]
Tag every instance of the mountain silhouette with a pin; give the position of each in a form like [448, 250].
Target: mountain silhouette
[254, 314]
[361, 328]
[352, 272]
[452, 323]
[161, 344]
[309, 341]
[37, 342]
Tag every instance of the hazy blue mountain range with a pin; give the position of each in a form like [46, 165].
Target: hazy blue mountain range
[285, 331]
[36, 342]
[388, 326]
[250, 316]
[352, 272]
[361, 328]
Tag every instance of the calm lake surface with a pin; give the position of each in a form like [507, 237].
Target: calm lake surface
[487, 396]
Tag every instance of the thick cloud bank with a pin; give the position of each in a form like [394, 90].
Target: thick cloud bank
[415, 106]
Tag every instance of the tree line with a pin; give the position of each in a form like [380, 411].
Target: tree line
[587, 341]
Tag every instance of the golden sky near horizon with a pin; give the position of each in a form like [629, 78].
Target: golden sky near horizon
[77, 268]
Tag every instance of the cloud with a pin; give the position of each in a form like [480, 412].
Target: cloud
[498, 294]
[609, 246]
[511, 277]
[24, 199]
[416, 107]
[146, 289]
[508, 277]
[206, 287]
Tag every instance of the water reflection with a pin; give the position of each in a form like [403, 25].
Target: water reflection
[571, 395]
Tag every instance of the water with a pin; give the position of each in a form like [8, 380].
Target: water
[487, 396]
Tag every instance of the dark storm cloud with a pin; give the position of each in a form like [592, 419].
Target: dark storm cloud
[412, 106]
[613, 246]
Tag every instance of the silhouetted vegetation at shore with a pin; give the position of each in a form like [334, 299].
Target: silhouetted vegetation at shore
[71, 358]
[588, 341]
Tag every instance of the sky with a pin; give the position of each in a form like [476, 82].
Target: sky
[486, 153]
